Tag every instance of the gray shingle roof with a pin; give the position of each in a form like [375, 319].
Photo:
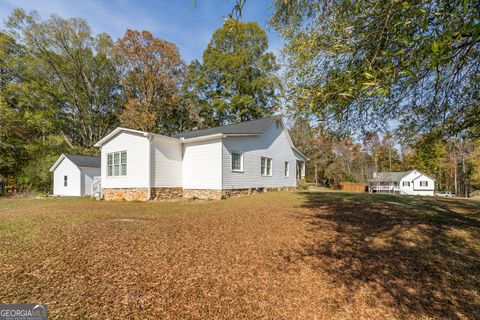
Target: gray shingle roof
[84, 161]
[390, 176]
[257, 126]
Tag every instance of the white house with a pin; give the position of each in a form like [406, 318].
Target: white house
[211, 163]
[411, 182]
[73, 174]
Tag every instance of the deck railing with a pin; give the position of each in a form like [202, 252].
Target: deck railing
[96, 188]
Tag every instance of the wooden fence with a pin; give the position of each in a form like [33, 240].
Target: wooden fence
[350, 187]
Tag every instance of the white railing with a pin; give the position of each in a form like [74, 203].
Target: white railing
[96, 188]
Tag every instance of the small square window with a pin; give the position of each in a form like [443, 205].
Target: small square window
[266, 166]
[237, 162]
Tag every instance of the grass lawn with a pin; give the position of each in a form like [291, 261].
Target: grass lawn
[278, 255]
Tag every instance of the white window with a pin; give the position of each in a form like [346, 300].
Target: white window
[423, 183]
[406, 183]
[237, 162]
[266, 166]
[117, 164]
[287, 169]
[65, 181]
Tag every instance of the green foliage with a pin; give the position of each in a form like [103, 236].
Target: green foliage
[237, 80]
[13, 153]
[361, 63]
[69, 72]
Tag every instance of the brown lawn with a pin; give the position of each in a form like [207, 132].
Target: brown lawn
[278, 255]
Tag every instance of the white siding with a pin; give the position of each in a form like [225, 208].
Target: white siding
[69, 169]
[87, 179]
[167, 163]
[137, 148]
[273, 144]
[202, 165]
[415, 189]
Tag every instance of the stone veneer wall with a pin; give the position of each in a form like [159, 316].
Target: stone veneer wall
[204, 194]
[164, 193]
[128, 194]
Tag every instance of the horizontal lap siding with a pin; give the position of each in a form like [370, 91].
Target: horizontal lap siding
[167, 160]
[202, 165]
[415, 187]
[273, 144]
[137, 147]
[69, 169]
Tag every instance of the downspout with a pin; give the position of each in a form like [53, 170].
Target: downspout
[149, 165]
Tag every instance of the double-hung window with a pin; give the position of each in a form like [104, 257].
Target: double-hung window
[406, 183]
[117, 164]
[423, 183]
[266, 166]
[65, 181]
[237, 162]
[287, 169]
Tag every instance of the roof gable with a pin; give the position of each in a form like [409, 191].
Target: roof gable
[78, 160]
[119, 130]
[397, 176]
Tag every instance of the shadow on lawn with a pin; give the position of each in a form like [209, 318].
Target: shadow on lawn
[423, 253]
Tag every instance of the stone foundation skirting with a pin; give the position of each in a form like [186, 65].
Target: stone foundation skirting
[167, 193]
[128, 194]
[204, 194]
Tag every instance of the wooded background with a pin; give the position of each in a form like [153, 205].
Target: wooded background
[366, 87]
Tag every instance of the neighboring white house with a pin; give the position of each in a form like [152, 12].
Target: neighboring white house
[210, 163]
[73, 174]
[411, 182]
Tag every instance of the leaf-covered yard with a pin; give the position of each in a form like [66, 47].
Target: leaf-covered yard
[311, 255]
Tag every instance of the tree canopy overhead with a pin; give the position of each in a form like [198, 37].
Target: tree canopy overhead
[237, 80]
[359, 63]
[152, 73]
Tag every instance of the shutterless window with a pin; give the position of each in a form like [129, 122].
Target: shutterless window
[65, 181]
[423, 183]
[287, 169]
[117, 164]
[266, 166]
[237, 161]
[406, 183]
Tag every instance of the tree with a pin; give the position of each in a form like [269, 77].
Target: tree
[13, 154]
[152, 74]
[362, 63]
[237, 80]
[72, 70]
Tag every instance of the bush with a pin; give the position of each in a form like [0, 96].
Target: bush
[302, 185]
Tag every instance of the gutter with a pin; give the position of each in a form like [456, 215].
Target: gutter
[149, 165]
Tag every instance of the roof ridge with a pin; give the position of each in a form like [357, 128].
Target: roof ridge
[230, 124]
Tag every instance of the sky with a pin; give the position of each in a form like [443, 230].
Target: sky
[187, 25]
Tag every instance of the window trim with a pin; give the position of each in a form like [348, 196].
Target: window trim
[264, 174]
[287, 169]
[241, 161]
[120, 164]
